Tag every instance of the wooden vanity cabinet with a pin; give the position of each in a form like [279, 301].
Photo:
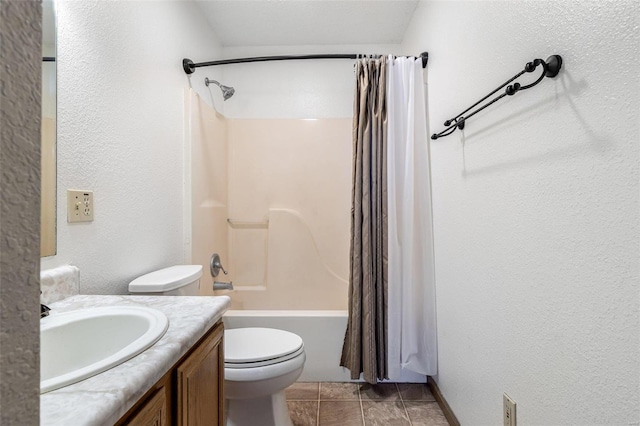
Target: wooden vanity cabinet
[154, 411]
[191, 393]
[200, 381]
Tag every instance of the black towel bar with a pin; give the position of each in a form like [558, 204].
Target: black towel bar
[551, 68]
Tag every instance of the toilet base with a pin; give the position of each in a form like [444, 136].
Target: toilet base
[270, 410]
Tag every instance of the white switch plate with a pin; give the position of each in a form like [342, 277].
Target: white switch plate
[79, 206]
[508, 410]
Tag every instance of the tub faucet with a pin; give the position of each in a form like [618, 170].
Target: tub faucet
[215, 265]
[218, 285]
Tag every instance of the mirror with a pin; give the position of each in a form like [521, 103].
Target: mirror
[48, 132]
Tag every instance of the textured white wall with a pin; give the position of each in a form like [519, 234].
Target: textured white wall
[120, 133]
[20, 80]
[536, 211]
[293, 89]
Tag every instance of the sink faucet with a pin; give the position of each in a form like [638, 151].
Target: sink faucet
[44, 310]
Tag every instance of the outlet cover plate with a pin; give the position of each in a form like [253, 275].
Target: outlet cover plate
[508, 410]
[79, 205]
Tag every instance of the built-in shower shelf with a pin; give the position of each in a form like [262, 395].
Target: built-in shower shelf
[248, 224]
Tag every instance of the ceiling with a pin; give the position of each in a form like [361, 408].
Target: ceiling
[308, 22]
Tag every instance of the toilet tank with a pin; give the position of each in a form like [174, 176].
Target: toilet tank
[179, 280]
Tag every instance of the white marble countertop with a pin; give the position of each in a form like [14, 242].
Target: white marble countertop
[104, 398]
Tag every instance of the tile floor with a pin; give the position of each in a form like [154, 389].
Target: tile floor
[353, 404]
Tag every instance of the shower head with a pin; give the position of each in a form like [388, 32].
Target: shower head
[227, 91]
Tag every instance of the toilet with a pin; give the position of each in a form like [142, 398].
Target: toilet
[259, 363]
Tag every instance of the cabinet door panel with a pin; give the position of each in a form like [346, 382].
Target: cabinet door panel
[153, 412]
[200, 380]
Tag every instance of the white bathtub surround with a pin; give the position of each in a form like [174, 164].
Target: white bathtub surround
[286, 242]
[288, 268]
[59, 283]
[411, 292]
[104, 398]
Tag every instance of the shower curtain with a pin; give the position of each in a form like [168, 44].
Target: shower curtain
[365, 342]
[391, 326]
[412, 310]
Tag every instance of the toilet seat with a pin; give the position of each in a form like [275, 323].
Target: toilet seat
[258, 347]
[263, 362]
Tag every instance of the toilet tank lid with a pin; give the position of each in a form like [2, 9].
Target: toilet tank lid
[166, 279]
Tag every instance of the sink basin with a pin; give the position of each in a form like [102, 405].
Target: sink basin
[79, 344]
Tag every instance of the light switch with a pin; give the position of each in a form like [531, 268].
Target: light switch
[79, 206]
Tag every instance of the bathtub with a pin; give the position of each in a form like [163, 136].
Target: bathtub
[322, 333]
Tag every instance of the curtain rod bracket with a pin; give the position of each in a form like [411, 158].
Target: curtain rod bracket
[425, 59]
[188, 66]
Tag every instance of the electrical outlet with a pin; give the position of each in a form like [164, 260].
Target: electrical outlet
[79, 206]
[508, 410]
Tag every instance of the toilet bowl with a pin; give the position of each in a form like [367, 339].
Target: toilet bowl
[260, 363]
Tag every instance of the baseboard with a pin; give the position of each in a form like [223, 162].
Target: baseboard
[444, 406]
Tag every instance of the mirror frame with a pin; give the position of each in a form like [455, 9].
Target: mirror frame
[48, 187]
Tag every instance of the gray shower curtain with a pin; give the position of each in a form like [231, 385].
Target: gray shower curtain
[365, 342]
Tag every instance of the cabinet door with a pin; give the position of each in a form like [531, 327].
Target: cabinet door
[200, 381]
[152, 413]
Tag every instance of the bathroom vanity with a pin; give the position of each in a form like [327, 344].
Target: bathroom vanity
[169, 383]
[191, 393]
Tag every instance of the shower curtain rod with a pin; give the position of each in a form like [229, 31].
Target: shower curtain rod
[190, 67]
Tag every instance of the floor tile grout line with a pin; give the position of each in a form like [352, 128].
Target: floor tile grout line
[361, 408]
[404, 405]
[339, 400]
[330, 400]
[318, 410]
